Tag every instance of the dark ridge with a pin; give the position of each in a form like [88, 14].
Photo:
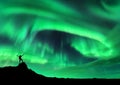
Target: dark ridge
[21, 74]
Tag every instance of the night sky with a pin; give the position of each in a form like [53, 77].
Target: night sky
[62, 38]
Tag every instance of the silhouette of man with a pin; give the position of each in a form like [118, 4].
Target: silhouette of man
[20, 58]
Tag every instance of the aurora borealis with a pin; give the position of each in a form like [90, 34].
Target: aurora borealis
[62, 38]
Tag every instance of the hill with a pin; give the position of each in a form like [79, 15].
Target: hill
[21, 73]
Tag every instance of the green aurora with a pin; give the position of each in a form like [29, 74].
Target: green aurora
[62, 38]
